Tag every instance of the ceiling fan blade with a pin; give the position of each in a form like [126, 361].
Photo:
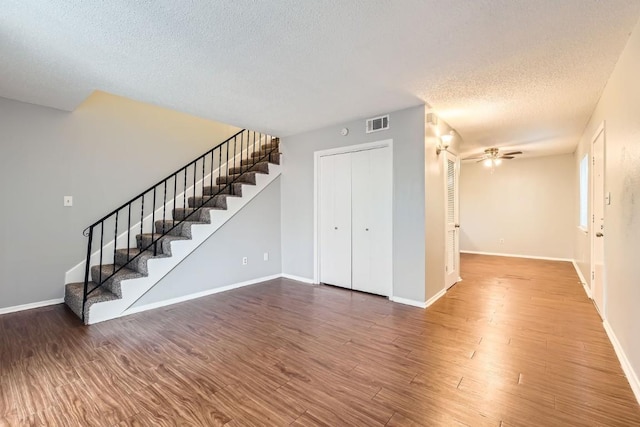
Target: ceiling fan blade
[479, 156]
[511, 153]
[481, 160]
[506, 157]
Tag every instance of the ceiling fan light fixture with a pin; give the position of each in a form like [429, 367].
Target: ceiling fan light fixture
[488, 163]
[497, 162]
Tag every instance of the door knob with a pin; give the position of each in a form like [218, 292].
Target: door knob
[457, 225]
[598, 234]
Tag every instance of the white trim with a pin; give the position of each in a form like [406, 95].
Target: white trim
[316, 193]
[632, 377]
[30, 306]
[419, 304]
[407, 301]
[298, 278]
[517, 256]
[196, 295]
[583, 281]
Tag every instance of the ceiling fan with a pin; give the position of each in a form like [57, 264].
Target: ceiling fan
[492, 157]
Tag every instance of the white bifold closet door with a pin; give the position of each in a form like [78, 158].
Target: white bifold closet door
[371, 191]
[355, 220]
[335, 220]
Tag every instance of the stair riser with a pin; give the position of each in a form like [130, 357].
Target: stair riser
[264, 153]
[219, 201]
[234, 189]
[182, 229]
[248, 178]
[163, 245]
[110, 283]
[273, 158]
[262, 167]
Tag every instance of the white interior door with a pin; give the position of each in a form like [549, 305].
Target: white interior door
[371, 193]
[597, 224]
[452, 231]
[335, 220]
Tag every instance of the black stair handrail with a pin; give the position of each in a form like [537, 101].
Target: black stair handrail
[245, 154]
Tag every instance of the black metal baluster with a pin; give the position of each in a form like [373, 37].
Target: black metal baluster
[142, 221]
[87, 268]
[153, 220]
[204, 160]
[101, 243]
[128, 232]
[175, 196]
[184, 191]
[115, 243]
[195, 168]
[219, 169]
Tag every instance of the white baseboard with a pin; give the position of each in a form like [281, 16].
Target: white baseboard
[297, 278]
[198, 295]
[624, 362]
[407, 301]
[583, 281]
[31, 306]
[517, 256]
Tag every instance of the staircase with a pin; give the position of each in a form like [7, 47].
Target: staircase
[135, 246]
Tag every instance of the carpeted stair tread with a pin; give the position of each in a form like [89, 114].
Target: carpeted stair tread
[137, 258]
[265, 153]
[110, 280]
[164, 242]
[176, 228]
[234, 189]
[272, 158]
[74, 295]
[259, 167]
[269, 146]
[201, 213]
[216, 202]
[245, 178]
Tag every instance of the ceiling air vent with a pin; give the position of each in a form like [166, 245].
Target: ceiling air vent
[377, 123]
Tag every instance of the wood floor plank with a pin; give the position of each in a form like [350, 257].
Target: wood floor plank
[517, 343]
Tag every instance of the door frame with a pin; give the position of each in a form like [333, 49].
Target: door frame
[316, 195]
[456, 159]
[601, 130]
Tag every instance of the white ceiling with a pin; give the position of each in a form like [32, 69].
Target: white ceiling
[511, 73]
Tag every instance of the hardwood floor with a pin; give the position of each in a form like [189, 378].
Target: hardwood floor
[516, 343]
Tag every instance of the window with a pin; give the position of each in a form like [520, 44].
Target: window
[584, 192]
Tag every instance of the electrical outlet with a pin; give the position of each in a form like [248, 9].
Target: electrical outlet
[501, 241]
[67, 201]
[245, 260]
[266, 256]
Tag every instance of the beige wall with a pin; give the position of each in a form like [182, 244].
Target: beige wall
[619, 106]
[529, 202]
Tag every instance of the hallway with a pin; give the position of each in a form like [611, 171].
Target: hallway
[516, 343]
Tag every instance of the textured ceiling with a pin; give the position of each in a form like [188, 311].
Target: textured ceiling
[510, 73]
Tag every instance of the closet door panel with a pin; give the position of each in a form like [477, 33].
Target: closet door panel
[335, 220]
[371, 214]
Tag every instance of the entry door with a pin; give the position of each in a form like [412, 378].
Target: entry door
[335, 220]
[597, 228]
[452, 236]
[371, 204]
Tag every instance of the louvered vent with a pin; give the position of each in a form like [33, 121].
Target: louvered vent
[378, 123]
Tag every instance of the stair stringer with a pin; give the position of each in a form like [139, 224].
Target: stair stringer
[133, 289]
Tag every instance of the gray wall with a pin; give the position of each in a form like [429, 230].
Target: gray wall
[218, 261]
[408, 134]
[105, 152]
[529, 202]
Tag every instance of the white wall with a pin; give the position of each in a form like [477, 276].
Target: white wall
[529, 202]
[105, 152]
[619, 106]
[407, 132]
[218, 261]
